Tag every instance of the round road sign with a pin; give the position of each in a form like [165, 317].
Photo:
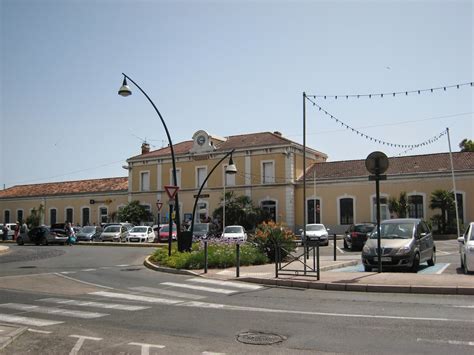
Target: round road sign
[376, 163]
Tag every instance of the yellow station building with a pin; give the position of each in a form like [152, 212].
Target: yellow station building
[269, 171]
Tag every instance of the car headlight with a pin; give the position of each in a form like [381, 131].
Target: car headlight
[403, 250]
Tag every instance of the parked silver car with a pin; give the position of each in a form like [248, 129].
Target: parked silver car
[466, 249]
[405, 243]
[89, 234]
[114, 233]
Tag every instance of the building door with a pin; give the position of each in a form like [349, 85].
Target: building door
[314, 211]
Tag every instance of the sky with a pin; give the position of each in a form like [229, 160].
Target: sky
[227, 67]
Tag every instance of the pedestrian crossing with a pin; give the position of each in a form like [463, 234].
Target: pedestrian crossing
[50, 311]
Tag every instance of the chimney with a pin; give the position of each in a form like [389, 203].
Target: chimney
[145, 148]
[278, 133]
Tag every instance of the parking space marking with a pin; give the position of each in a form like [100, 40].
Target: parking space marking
[146, 347]
[79, 342]
[38, 331]
[424, 269]
[226, 283]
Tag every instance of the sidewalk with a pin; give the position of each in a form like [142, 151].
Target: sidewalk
[394, 282]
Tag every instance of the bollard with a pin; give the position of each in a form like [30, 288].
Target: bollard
[205, 256]
[335, 247]
[237, 262]
[276, 261]
[317, 258]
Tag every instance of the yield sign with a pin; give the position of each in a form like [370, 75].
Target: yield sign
[171, 191]
[159, 205]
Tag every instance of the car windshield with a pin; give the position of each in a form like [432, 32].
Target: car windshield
[112, 229]
[88, 230]
[395, 231]
[315, 227]
[233, 229]
[364, 228]
[139, 230]
[200, 227]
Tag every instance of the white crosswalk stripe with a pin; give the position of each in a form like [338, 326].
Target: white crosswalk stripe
[167, 292]
[52, 310]
[130, 297]
[200, 288]
[9, 318]
[117, 306]
[240, 285]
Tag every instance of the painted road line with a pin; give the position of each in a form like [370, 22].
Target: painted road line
[226, 283]
[80, 342]
[53, 310]
[88, 270]
[446, 341]
[145, 348]
[38, 331]
[8, 318]
[436, 269]
[167, 292]
[354, 268]
[225, 307]
[83, 282]
[122, 265]
[342, 251]
[67, 272]
[130, 297]
[120, 307]
[439, 272]
[200, 288]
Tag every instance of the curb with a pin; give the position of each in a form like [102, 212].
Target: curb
[6, 340]
[147, 263]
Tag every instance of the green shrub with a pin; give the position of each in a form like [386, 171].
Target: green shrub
[271, 234]
[220, 254]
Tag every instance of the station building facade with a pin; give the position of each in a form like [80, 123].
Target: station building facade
[269, 171]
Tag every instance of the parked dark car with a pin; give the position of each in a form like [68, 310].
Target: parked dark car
[42, 235]
[205, 230]
[89, 234]
[356, 235]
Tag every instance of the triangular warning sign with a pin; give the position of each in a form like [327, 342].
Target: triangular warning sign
[171, 191]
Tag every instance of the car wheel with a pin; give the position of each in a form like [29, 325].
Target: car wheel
[416, 263]
[20, 241]
[432, 261]
[345, 245]
[466, 270]
[44, 241]
[367, 268]
[462, 262]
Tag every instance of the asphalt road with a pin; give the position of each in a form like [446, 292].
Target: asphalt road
[81, 300]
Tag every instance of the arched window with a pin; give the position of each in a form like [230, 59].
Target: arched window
[415, 206]
[86, 215]
[346, 210]
[313, 209]
[53, 216]
[269, 207]
[70, 215]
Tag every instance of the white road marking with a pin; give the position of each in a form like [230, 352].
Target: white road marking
[226, 283]
[442, 341]
[123, 265]
[83, 282]
[67, 272]
[79, 343]
[38, 331]
[88, 269]
[146, 347]
[52, 310]
[463, 306]
[167, 292]
[127, 296]
[250, 274]
[342, 251]
[342, 315]
[8, 318]
[120, 307]
[211, 353]
[200, 288]
[439, 272]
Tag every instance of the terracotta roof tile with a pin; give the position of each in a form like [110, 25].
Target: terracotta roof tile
[106, 185]
[415, 164]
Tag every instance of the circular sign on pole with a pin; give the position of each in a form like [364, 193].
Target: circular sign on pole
[376, 163]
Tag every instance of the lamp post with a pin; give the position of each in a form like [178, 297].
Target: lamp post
[231, 169]
[125, 91]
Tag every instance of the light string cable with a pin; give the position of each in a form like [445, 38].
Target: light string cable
[376, 140]
[394, 93]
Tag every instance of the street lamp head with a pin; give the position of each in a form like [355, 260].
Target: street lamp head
[124, 89]
[231, 168]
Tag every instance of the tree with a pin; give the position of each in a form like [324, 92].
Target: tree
[34, 219]
[400, 206]
[134, 213]
[466, 145]
[240, 210]
[444, 200]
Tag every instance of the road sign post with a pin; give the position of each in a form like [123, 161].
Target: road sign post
[377, 163]
[171, 191]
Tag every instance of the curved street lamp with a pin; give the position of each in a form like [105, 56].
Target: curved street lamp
[230, 169]
[125, 91]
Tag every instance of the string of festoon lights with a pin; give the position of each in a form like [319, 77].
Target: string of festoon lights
[377, 140]
[394, 93]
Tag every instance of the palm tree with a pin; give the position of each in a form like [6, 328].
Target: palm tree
[400, 206]
[444, 200]
[466, 145]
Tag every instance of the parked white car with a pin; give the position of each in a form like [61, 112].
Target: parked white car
[466, 249]
[141, 234]
[315, 232]
[235, 233]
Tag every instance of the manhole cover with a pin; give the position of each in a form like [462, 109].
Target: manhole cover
[27, 267]
[259, 338]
